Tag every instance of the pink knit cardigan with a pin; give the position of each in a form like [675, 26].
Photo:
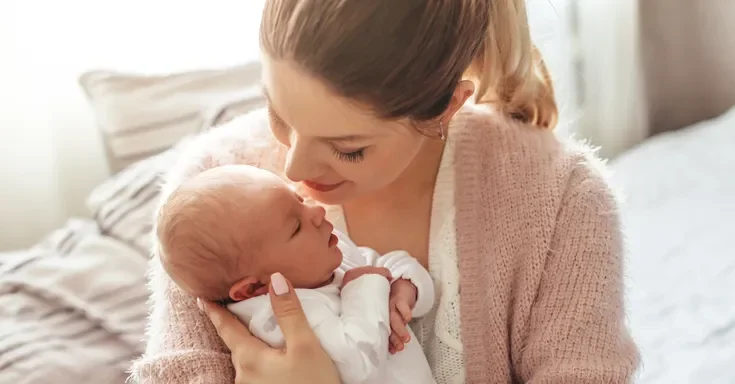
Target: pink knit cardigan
[540, 259]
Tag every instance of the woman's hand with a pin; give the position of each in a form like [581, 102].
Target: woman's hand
[303, 360]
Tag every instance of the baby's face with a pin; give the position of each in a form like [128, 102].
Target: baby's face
[295, 238]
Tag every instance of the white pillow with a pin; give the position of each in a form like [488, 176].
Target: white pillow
[141, 115]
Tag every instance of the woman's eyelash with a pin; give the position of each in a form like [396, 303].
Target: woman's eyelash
[274, 116]
[350, 157]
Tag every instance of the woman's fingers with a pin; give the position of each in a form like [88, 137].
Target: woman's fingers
[235, 334]
[383, 272]
[289, 314]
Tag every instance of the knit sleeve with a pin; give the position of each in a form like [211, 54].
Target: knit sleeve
[577, 331]
[182, 345]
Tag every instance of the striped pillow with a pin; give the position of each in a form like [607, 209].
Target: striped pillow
[124, 205]
[142, 115]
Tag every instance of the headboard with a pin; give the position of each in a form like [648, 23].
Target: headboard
[688, 49]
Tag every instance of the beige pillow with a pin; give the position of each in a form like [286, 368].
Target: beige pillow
[142, 115]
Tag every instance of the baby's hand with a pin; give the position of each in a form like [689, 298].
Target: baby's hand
[402, 300]
[354, 273]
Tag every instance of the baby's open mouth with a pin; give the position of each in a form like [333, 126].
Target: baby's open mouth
[332, 240]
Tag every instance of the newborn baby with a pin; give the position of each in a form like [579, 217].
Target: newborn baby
[227, 230]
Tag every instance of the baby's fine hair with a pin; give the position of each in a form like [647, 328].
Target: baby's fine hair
[202, 247]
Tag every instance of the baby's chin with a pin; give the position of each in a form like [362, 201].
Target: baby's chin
[337, 259]
[336, 254]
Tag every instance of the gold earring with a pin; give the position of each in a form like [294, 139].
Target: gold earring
[442, 135]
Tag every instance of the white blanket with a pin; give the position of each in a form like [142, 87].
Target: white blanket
[679, 214]
[72, 309]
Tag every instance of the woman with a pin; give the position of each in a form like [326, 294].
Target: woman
[367, 113]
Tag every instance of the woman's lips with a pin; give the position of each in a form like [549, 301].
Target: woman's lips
[322, 187]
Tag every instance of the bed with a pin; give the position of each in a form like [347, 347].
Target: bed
[678, 194]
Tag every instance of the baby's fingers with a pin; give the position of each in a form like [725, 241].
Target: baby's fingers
[399, 326]
[405, 310]
[396, 345]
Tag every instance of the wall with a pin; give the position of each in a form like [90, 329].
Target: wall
[551, 29]
[613, 101]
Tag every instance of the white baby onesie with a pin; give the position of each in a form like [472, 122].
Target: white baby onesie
[353, 325]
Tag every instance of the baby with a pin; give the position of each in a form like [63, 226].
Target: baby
[224, 232]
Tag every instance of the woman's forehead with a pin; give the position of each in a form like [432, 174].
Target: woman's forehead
[307, 104]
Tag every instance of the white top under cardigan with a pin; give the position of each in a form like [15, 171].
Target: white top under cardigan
[439, 331]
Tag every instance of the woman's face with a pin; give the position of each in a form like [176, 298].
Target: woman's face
[337, 149]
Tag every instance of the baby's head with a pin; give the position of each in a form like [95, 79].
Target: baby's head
[224, 232]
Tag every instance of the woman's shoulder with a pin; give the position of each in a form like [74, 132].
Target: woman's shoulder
[246, 139]
[245, 132]
[517, 154]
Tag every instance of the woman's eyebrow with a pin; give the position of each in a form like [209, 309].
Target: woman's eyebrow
[344, 139]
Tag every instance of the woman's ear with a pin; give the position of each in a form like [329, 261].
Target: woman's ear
[463, 91]
[247, 288]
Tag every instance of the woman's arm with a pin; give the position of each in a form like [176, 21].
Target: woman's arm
[303, 360]
[577, 331]
[183, 346]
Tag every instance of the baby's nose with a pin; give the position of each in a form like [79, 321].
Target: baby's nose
[318, 213]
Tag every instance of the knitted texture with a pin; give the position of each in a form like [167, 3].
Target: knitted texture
[538, 244]
[439, 331]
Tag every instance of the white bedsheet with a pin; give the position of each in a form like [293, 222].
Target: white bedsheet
[679, 218]
[72, 309]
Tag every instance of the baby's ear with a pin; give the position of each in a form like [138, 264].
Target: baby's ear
[247, 288]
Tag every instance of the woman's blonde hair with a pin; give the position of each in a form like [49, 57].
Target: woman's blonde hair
[405, 57]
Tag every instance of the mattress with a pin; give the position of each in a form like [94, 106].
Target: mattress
[678, 208]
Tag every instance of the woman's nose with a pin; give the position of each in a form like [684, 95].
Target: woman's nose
[299, 165]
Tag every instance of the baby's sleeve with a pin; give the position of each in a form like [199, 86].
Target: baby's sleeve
[357, 340]
[403, 266]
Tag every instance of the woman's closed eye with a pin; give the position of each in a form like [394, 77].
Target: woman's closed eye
[350, 157]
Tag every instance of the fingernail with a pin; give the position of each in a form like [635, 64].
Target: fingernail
[200, 305]
[279, 284]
